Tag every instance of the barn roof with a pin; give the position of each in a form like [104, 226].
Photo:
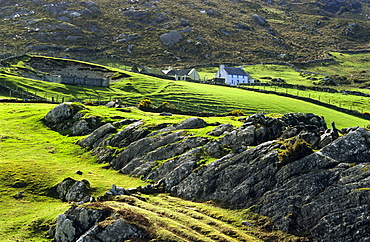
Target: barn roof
[148, 70]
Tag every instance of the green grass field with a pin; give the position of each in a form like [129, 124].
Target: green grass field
[265, 73]
[34, 158]
[186, 96]
[346, 64]
[352, 102]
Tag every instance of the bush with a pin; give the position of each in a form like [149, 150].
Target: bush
[237, 112]
[166, 106]
[299, 149]
[144, 103]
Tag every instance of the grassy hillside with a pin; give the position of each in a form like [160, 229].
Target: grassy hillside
[35, 158]
[218, 31]
[353, 66]
[350, 69]
[194, 97]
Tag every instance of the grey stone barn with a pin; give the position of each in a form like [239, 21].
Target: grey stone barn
[84, 81]
[77, 80]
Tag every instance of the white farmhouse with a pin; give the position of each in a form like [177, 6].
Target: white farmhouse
[233, 76]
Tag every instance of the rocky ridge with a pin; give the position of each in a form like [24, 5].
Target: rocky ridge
[310, 181]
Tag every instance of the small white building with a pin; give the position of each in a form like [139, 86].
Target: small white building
[184, 74]
[233, 76]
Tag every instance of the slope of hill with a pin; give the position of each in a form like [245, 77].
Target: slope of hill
[183, 95]
[185, 32]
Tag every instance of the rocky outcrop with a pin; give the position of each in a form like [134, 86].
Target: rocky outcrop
[171, 38]
[191, 123]
[67, 118]
[85, 224]
[70, 190]
[145, 153]
[267, 163]
[341, 6]
[61, 113]
[118, 230]
[323, 195]
[259, 20]
[100, 133]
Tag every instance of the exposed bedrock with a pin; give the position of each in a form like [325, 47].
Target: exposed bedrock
[310, 180]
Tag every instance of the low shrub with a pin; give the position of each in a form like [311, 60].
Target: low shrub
[237, 112]
[299, 149]
[144, 103]
[166, 106]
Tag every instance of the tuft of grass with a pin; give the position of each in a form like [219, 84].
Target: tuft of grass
[363, 189]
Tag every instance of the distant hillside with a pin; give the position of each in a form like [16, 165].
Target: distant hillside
[185, 32]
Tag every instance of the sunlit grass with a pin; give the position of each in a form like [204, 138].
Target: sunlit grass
[191, 96]
[352, 102]
[33, 159]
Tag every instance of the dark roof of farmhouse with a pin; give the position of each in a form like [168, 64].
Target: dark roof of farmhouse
[235, 71]
[183, 72]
